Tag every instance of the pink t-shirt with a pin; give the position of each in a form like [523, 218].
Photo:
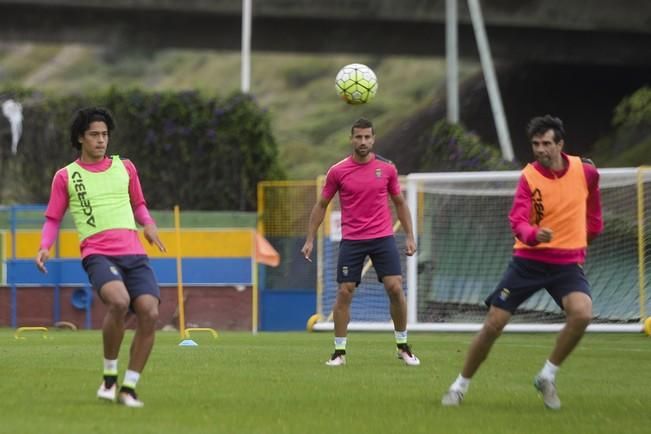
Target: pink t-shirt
[112, 242]
[364, 190]
[526, 232]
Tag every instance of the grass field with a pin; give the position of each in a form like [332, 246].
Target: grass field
[277, 383]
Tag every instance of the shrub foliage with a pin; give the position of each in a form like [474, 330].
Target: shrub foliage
[451, 148]
[629, 141]
[189, 150]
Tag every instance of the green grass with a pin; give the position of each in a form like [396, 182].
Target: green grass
[277, 383]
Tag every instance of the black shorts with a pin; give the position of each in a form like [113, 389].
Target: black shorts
[525, 277]
[382, 251]
[133, 270]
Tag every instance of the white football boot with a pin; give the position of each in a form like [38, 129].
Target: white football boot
[337, 359]
[130, 400]
[547, 389]
[108, 394]
[404, 353]
[452, 398]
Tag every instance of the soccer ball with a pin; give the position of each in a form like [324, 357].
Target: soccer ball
[356, 83]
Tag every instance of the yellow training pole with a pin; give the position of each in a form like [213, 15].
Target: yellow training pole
[179, 272]
[254, 266]
[641, 247]
[254, 284]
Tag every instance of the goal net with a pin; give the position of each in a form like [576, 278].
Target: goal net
[465, 243]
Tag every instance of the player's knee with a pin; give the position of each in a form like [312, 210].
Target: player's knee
[579, 309]
[395, 293]
[580, 318]
[392, 284]
[345, 293]
[118, 305]
[148, 317]
[495, 323]
[492, 329]
[347, 288]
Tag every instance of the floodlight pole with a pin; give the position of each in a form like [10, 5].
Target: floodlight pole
[452, 60]
[491, 79]
[246, 46]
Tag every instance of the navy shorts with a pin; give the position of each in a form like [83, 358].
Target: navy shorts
[382, 251]
[133, 270]
[525, 277]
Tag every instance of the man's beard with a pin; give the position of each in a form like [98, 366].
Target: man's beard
[362, 152]
[545, 161]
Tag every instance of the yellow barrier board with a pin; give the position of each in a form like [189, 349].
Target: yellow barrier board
[197, 243]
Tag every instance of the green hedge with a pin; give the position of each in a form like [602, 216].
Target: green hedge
[628, 144]
[451, 148]
[200, 153]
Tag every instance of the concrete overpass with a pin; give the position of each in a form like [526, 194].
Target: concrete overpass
[595, 32]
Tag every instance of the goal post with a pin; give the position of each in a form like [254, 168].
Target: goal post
[465, 242]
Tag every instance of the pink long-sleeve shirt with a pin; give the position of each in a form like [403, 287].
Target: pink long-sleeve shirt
[364, 190]
[112, 242]
[520, 214]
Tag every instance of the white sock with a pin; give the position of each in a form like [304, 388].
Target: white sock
[131, 379]
[461, 384]
[549, 371]
[340, 343]
[110, 367]
[401, 337]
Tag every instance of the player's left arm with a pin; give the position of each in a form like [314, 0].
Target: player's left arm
[402, 211]
[594, 217]
[139, 206]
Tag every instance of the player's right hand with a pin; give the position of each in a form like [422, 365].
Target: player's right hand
[410, 246]
[151, 235]
[307, 250]
[544, 235]
[41, 258]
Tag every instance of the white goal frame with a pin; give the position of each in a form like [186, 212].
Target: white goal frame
[412, 189]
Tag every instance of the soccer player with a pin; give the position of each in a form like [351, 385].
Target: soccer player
[104, 195]
[556, 211]
[365, 181]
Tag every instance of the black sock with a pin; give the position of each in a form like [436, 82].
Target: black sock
[403, 347]
[110, 380]
[340, 352]
[129, 390]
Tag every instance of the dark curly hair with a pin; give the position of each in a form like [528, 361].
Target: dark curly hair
[362, 123]
[82, 120]
[541, 124]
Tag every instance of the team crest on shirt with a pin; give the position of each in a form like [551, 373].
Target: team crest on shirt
[378, 173]
[114, 270]
[504, 294]
[344, 270]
